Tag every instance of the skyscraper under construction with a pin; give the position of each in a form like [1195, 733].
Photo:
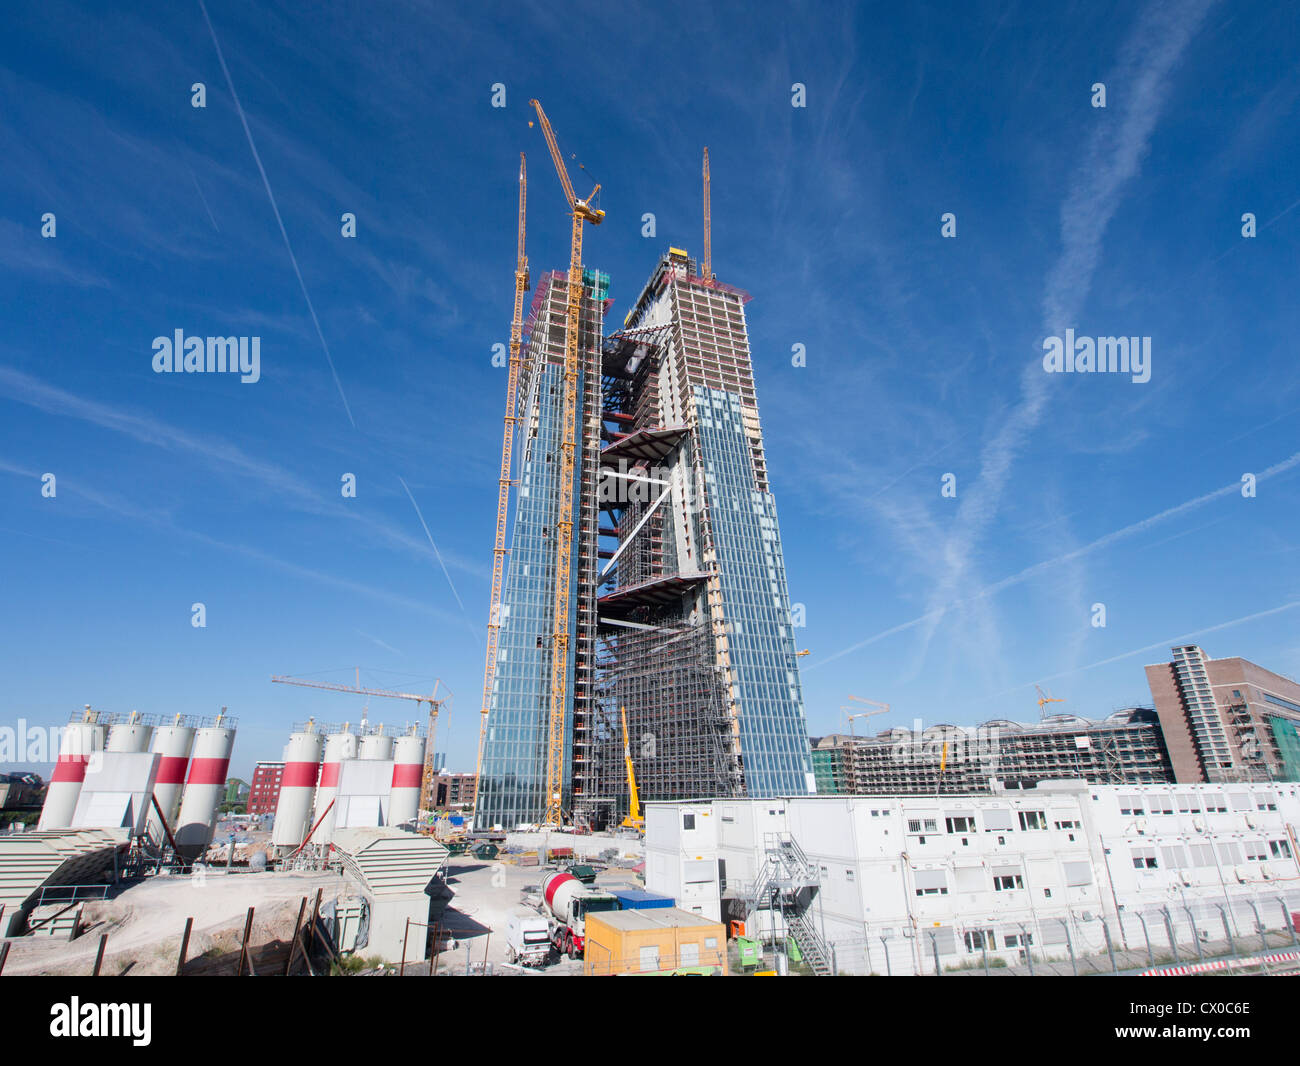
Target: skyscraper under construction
[679, 614]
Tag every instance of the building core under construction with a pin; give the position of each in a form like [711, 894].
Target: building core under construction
[679, 612]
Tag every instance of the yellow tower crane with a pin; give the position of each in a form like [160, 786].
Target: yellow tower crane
[582, 211]
[507, 443]
[435, 705]
[1043, 700]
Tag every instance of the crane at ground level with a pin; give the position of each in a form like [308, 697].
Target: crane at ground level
[633, 819]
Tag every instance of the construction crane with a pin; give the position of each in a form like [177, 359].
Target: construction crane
[582, 211]
[435, 705]
[633, 819]
[706, 268]
[884, 709]
[503, 492]
[1043, 700]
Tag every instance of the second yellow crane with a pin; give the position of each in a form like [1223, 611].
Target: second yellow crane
[582, 211]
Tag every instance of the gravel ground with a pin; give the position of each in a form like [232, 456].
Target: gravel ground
[144, 923]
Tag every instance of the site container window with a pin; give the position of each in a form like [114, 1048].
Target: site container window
[979, 939]
[997, 819]
[960, 824]
[1033, 820]
[931, 883]
[1078, 874]
[1144, 858]
[688, 821]
[1281, 849]
[1008, 882]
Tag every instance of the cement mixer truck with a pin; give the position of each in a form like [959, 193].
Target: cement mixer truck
[567, 902]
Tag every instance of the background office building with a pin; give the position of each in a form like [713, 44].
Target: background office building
[1226, 719]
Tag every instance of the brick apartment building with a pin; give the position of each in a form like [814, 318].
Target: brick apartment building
[1226, 719]
[264, 792]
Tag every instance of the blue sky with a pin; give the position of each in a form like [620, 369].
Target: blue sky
[924, 353]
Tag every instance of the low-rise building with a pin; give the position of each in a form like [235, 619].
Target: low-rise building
[914, 883]
[264, 791]
[1126, 747]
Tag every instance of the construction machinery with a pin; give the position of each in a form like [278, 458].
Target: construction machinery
[507, 443]
[1043, 700]
[435, 705]
[582, 211]
[633, 819]
[568, 901]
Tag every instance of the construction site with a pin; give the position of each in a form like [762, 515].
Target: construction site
[646, 798]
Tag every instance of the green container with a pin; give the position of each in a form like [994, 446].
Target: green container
[585, 874]
[486, 851]
[748, 951]
[792, 950]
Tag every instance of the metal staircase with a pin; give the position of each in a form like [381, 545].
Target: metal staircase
[786, 884]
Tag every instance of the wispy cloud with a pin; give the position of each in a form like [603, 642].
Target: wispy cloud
[1111, 159]
[1039, 569]
[279, 221]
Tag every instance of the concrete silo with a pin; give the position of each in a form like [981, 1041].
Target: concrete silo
[339, 748]
[408, 773]
[302, 759]
[205, 786]
[172, 744]
[131, 734]
[376, 746]
[81, 738]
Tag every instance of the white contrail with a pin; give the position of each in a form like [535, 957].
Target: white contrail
[271, 196]
[438, 554]
[1111, 160]
[1038, 568]
[1172, 642]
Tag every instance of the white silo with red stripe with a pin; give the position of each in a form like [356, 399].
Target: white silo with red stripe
[81, 738]
[340, 747]
[172, 744]
[408, 773]
[205, 786]
[302, 764]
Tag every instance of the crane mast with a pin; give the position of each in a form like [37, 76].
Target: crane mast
[706, 268]
[582, 211]
[507, 442]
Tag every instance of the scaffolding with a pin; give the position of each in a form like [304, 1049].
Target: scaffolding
[1126, 748]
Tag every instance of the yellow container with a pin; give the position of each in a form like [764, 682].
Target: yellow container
[664, 940]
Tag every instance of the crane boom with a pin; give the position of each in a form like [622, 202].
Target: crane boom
[582, 211]
[503, 494]
[435, 705]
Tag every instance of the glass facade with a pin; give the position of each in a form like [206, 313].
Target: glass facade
[512, 786]
[755, 605]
